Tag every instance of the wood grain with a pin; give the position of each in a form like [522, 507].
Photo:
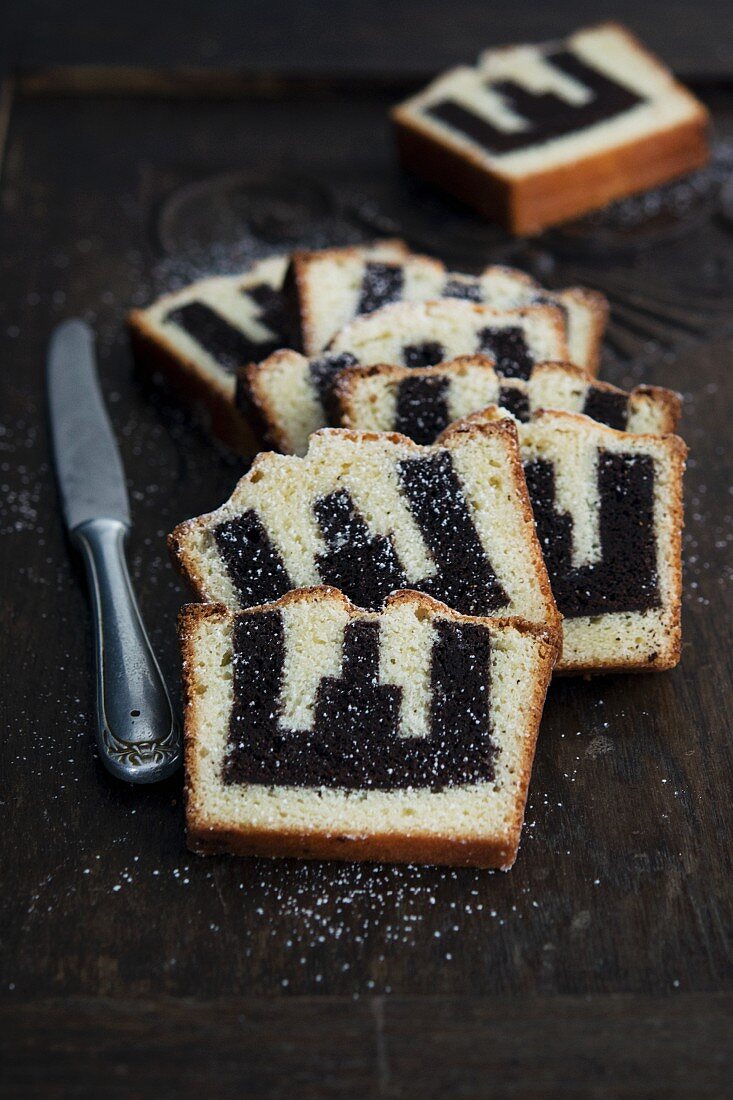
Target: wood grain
[601, 964]
[364, 36]
[328, 1048]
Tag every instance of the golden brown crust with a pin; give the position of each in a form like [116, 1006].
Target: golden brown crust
[669, 400]
[253, 394]
[598, 308]
[493, 415]
[526, 207]
[675, 442]
[204, 839]
[185, 562]
[155, 353]
[530, 204]
[209, 836]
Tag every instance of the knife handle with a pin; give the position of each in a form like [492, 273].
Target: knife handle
[138, 737]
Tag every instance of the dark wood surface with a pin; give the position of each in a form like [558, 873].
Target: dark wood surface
[601, 964]
[362, 36]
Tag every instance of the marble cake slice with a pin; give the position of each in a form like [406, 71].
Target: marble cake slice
[533, 135]
[422, 403]
[329, 289]
[289, 396]
[422, 334]
[608, 509]
[316, 729]
[371, 513]
[200, 335]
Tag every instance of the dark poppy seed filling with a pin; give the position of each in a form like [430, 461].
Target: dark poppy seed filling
[225, 343]
[428, 354]
[509, 350]
[607, 407]
[464, 579]
[422, 407]
[354, 742]
[515, 401]
[323, 373]
[271, 303]
[365, 567]
[625, 578]
[380, 285]
[457, 288]
[253, 563]
[548, 116]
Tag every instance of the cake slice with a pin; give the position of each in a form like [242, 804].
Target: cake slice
[288, 397]
[537, 134]
[422, 334]
[316, 729]
[329, 289]
[372, 513]
[422, 403]
[200, 335]
[608, 509]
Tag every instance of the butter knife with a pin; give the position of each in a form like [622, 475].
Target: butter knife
[138, 736]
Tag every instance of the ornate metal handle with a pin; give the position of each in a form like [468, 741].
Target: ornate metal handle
[137, 733]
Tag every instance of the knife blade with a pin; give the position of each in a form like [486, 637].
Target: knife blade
[88, 465]
[137, 734]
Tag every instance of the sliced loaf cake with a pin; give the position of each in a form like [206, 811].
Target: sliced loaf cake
[329, 289]
[422, 403]
[422, 334]
[290, 397]
[608, 509]
[372, 513]
[537, 134]
[316, 729]
[200, 335]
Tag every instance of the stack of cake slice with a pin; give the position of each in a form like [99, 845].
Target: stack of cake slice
[201, 335]
[396, 729]
[330, 289]
[458, 509]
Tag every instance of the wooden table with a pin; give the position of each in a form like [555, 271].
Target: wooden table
[601, 964]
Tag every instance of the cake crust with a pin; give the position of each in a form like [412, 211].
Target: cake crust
[225, 420]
